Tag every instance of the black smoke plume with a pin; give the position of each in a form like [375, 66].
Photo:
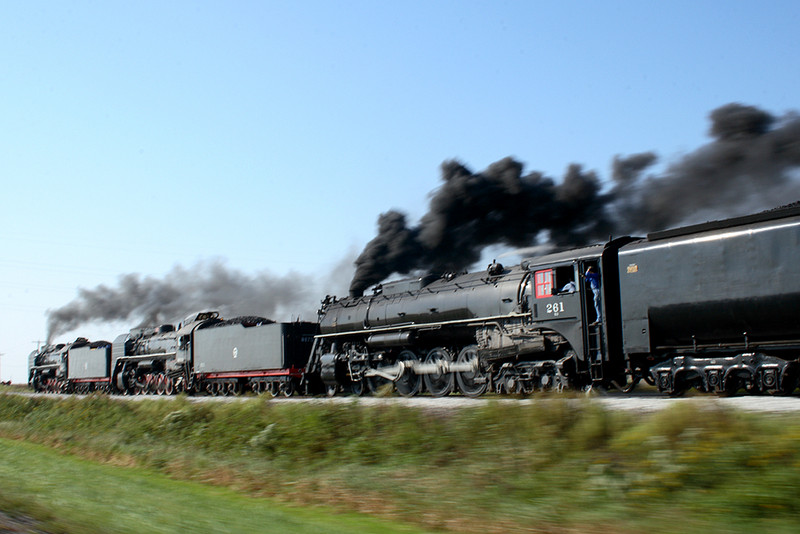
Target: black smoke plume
[207, 286]
[750, 164]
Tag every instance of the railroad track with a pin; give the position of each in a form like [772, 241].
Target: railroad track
[640, 402]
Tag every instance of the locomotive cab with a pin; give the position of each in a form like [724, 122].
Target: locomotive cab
[561, 301]
[582, 330]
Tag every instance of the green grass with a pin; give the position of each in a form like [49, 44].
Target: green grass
[552, 466]
[74, 495]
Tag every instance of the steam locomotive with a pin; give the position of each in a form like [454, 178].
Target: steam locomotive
[711, 306]
[85, 363]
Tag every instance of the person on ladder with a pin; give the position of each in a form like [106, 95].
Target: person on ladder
[593, 277]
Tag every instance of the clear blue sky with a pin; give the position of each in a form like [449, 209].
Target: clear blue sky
[140, 136]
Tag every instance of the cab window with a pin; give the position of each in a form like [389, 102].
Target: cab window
[543, 280]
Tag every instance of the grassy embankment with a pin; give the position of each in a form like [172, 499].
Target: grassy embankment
[552, 466]
[66, 494]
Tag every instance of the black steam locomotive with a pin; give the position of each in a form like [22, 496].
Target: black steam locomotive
[712, 306]
[80, 366]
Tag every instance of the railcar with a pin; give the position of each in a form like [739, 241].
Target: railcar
[715, 306]
[89, 367]
[251, 353]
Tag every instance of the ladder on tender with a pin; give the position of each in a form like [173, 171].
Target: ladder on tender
[595, 351]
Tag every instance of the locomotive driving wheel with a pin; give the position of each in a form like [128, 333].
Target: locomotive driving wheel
[471, 383]
[441, 383]
[410, 383]
[169, 386]
[160, 385]
[357, 387]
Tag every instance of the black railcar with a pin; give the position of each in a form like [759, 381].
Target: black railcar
[715, 306]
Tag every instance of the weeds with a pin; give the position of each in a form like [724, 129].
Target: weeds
[500, 467]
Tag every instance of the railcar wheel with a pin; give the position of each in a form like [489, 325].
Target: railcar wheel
[410, 383]
[330, 391]
[169, 386]
[441, 383]
[288, 388]
[471, 383]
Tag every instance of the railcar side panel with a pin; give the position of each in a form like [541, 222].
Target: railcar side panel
[89, 362]
[238, 348]
[737, 285]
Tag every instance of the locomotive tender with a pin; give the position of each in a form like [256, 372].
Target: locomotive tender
[712, 306]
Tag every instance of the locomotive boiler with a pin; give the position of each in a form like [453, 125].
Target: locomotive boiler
[47, 367]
